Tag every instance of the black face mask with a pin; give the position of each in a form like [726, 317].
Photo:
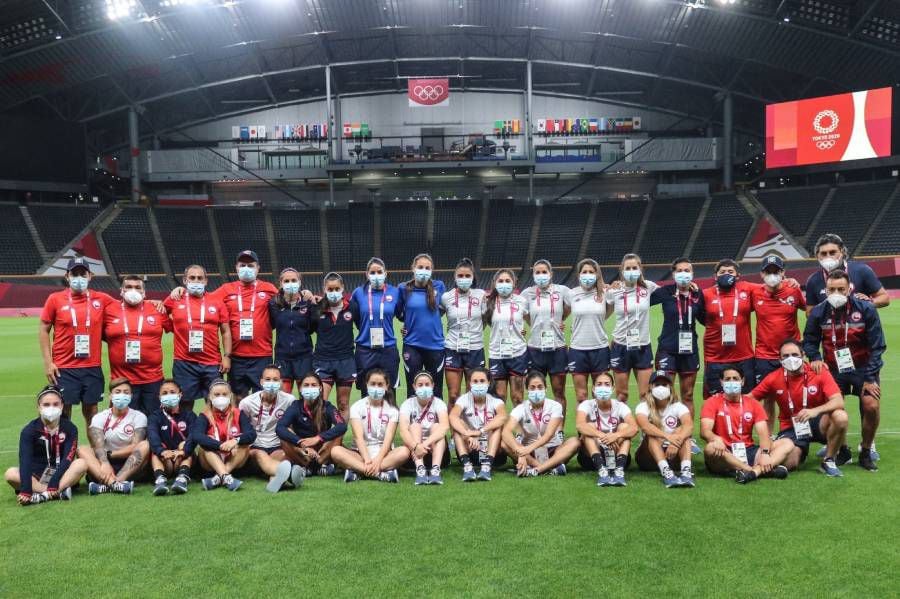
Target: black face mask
[726, 281]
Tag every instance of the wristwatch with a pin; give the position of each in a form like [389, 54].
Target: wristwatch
[108, 455]
[766, 451]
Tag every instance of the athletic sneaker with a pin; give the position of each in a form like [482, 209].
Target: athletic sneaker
[779, 472]
[211, 483]
[530, 472]
[160, 487]
[66, 494]
[670, 480]
[695, 449]
[350, 476]
[97, 489]
[742, 477]
[390, 476]
[829, 468]
[435, 477]
[687, 478]
[180, 486]
[618, 478]
[822, 450]
[603, 479]
[866, 462]
[298, 475]
[282, 473]
[326, 470]
[485, 472]
[421, 476]
[843, 456]
[558, 471]
[232, 483]
[37, 498]
[468, 473]
[872, 451]
[124, 487]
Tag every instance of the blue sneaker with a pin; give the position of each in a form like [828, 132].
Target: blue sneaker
[484, 474]
[124, 487]
[160, 487]
[618, 478]
[435, 477]
[695, 449]
[97, 489]
[350, 476]
[558, 471]
[468, 473]
[603, 479]
[829, 468]
[421, 477]
[326, 470]
[671, 481]
[391, 476]
[211, 483]
[232, 483]
[687, 478]
[822, 450]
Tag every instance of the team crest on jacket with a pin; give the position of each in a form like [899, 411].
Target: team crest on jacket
[302, 310]
[743, 295]
[151, 320]
[279, 414]
[671, 421]
[475, 301]
[182, 426]
[128, 430]
[613, 422]
[96, 304]
[62, 437]
[211, 309]
[748, 416]
[261, 294]
[812, 389]
[234, 431]
[389, 298]
[384, 419]
[347, 316]
[856, 317]
[406, 356]
[430, 417]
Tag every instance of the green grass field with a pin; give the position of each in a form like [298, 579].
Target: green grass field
[549, 536]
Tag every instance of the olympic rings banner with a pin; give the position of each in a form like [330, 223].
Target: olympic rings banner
[850, 126]
[428, 92]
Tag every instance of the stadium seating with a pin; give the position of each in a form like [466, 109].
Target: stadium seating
[669, 228]
[561, 233]
[885, 239]
[456, 229]
[130, 243]
[350, 237]
[794, 207]
[403, 235]
[243, 229]
[186, 236]
[724, 230]
[852, 211]
[615, 231]
[18, 254]
[508, 234]
[298, 239]
[58, 225]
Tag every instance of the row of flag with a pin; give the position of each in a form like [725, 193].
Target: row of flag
[583, 126]
[282, 132]
[508, 127]
[352, 130]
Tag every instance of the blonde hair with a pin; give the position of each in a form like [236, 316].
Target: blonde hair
[635, 257]
[654, 415]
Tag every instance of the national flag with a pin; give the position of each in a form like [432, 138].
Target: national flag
[261, 131]
[347, 130]
[516, 126]
[364, 130]
[235, 133]
[637, 123]
[576, 126]
[541, 126]
[585, 127]
[245, 133]
[594, 126]
[253, 132]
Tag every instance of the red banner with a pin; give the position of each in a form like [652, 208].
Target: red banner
[428, 92]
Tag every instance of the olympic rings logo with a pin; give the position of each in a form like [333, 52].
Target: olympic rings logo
[825, 145]
[428, 92]
[826, 114]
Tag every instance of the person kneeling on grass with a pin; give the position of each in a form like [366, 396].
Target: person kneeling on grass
[311, 428]
[264, 409]
[727, 422]
[539, 448]
[477, 419]
[119, 450]
[224, 435]
[423, 428]
[373, 420]
[48, 468]
[606, 428]
[667, 428]
[171, 447]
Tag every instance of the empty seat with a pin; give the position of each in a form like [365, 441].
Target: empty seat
[723, 231]
[851, 212]
[59, 225]
[615, 230]
[18, 253]
[508, 234]
[297, 239]
[669, 228]
[561, 233]
[794, 207]
[243, 229]
[456, 229]
[350, 237]
[403, 234]
[130, 244]
[187, 238]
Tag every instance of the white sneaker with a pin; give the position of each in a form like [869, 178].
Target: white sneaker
[282, 473]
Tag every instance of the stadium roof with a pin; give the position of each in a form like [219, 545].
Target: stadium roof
[189, 61]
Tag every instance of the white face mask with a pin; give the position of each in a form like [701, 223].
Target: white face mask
[220, 402]
[132, 297]
[829, 264]
[78, 283]
[773, 279]
[479, 389]
[51, 413]
[376, 280]
[247, 274]
[631, 276]
[310, 393]
[537, 395]
[837, 300]
[424, 392]
[169, 400]
[661, 392]
[792, 363]
[271, 386]
[376, 393]
[602, 392]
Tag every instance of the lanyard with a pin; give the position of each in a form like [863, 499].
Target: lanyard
[190, 318]
[834, 329]
[140, 326]
[260, 414]
[468, 299]
[513, 308]
[173, 425]
[216, 426]
[425, 411]
[550, 293]
[600, 417]
[484, 417]
[637, 302]
[106, 426]
[380, 307]
[788, 388]
[728, 417]
[54, 439]
[538, 420]
[680, 309]
[369, 416]
[721, 314]
[87, 311]
[240, 298]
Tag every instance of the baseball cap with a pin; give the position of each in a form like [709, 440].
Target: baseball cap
[78, 262]
[660, 374]
[247, 254]
[772, 260]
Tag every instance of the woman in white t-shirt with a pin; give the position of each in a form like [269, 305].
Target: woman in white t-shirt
[588, 346]
[423, 428]
[667, 427]
[464, 306]
[539, 447]
[373, 420]
[119, 449]
[606, 427]
[630, 350]
[477, 419]
[507, 312]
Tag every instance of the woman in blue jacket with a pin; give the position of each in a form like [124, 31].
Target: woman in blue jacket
[374, 306]
[293, 316]
[423, 330]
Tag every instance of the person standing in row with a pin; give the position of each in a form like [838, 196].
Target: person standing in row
[833, 255]
[507, 312]
[373, 306]
[333, 360]
[776, 304]
[465, 306]
[423, 330]
[589, 346]
[293, 318]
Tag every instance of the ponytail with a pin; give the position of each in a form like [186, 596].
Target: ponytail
[430, 300]
[492, 295]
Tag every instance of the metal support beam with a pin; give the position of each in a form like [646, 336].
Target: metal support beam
[338, 130]
[328, 120]
[529, 146]
[728, 141]
[873, 6]
[133, 142]
[57, 16]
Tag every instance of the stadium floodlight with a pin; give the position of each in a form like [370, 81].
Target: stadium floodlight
[119, 9]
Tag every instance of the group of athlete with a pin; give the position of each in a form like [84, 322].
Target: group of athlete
[253, 422]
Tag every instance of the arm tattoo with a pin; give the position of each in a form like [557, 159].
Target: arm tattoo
[134, 460]
[97, 439]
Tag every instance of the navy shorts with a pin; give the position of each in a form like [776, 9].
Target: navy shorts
[268, 450]
[680, 363]
[194, 378]
[548, 362]
[712, 375]
[588, 361]
[368, 358]
[502, 368]
[815, 425]
[81, 385]
[343, 371]
[145, 398]
[851, 383]
[763, 368]
[245, 374]
[622, 359]
[294, 368]
[417, 359]
[459, 361]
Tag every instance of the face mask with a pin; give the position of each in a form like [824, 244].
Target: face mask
[829, 264]
[196, 289]
[602, 392]
[683, 279]
[120, 400]
[51, 413]
[376, 392]
[291, 288]
[504, 289]
[247, 274]
[773, 279]
[309, 393]
[731, 387]
[542, 280]
[376, 281]
[169, 400]
[537, 395]
[133, 297]
[271, 386]
[631, 276]
[424, 392]
[220, 402]
[587, 280]
[837, 300]
[726, 281]
[464, 284]
[334, 296]
[792, 363]
[78, 283]
[422, 275]
[661, 392]
[479, 389]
